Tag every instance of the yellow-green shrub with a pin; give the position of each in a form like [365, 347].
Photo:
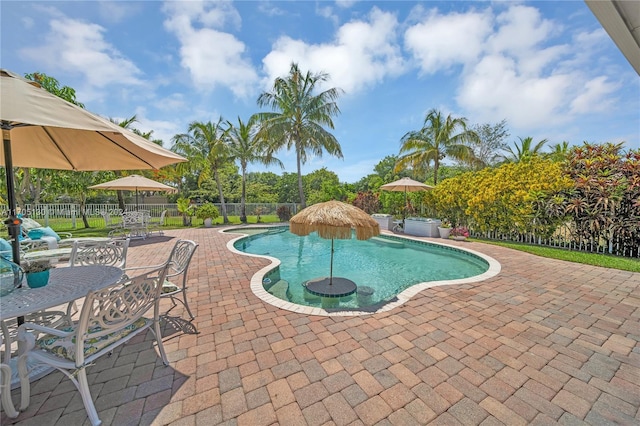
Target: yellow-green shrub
[498, 199]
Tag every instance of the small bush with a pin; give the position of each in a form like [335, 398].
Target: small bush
[206, 211]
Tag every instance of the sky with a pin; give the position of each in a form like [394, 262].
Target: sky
[546, 67]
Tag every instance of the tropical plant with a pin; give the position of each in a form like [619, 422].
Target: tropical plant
[33, 266]
[186, 209]
[501, 199]
[459, 231]
[438, 138]
[298, 118]
[367, 201]
[560, 151]
[246, 147]
[284, 213]
[206, 147]
[604, 201]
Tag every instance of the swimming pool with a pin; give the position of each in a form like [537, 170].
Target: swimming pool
[384, 267]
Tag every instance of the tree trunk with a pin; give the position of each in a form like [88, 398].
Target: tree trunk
[243, 207]
[83, 212]
[223, 206]
[120, 200]
[303, 202]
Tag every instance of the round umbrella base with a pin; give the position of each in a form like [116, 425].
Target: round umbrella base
[339, 287]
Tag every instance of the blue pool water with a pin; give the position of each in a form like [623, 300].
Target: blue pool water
[388, 265]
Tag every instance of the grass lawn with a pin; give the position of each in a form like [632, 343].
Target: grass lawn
[604, 260]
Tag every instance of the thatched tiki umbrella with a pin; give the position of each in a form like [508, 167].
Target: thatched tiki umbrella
[334, 219]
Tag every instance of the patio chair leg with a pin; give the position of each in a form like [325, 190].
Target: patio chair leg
[186, 304]
[5, 391]
[83, 387]
[158, 334]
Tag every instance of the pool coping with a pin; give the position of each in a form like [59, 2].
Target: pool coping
[403, 297]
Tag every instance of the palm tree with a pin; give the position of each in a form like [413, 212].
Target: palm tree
[559, 151]
[524, 151]
[439, 138]
[246, 147]
[299, 118]
[206, 147]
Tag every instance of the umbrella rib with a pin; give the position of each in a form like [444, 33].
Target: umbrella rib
[52, 139]
[123, 148]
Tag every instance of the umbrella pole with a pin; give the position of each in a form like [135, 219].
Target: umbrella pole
[12, 221]
[137, 207]
[331, 266]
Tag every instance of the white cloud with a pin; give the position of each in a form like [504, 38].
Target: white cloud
[594, 96]
[494, 90]
[27, 22]
[212, 57]
[441, 41]
[511, 65]
[362, 54]
[345, 4]
[78, 47]
[117, 11]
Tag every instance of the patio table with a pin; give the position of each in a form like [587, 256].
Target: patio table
[65, 285]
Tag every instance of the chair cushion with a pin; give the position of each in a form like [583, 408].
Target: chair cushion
[48, 232]
[6, 249]
[65, 347]
[35, 234]
[169, 287]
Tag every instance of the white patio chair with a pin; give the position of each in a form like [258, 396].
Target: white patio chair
[175, 284]
[156, 224]
[109, 253]
[108, 221]
[108, 319]
[5, 390]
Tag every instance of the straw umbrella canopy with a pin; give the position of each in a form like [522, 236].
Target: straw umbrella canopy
[41, 130]
[333, 219]
[135, 183]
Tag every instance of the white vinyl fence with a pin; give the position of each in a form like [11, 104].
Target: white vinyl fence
[46, 213]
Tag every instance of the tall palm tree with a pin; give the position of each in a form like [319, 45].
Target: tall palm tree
[205, 145]
[523, 151]
[438, 138]
[246, 147]
[298, 118]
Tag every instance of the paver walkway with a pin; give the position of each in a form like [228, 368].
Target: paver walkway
[544, 342]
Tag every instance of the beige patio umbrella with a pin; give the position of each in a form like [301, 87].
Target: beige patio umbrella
[407, 185]
[41, 130]
[333, 219]
[135, 183]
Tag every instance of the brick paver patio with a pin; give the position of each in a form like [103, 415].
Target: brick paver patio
[544, 342]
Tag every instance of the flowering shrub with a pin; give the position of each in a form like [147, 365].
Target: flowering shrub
[460, 231]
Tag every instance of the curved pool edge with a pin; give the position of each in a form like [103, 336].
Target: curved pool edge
[403, 297]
